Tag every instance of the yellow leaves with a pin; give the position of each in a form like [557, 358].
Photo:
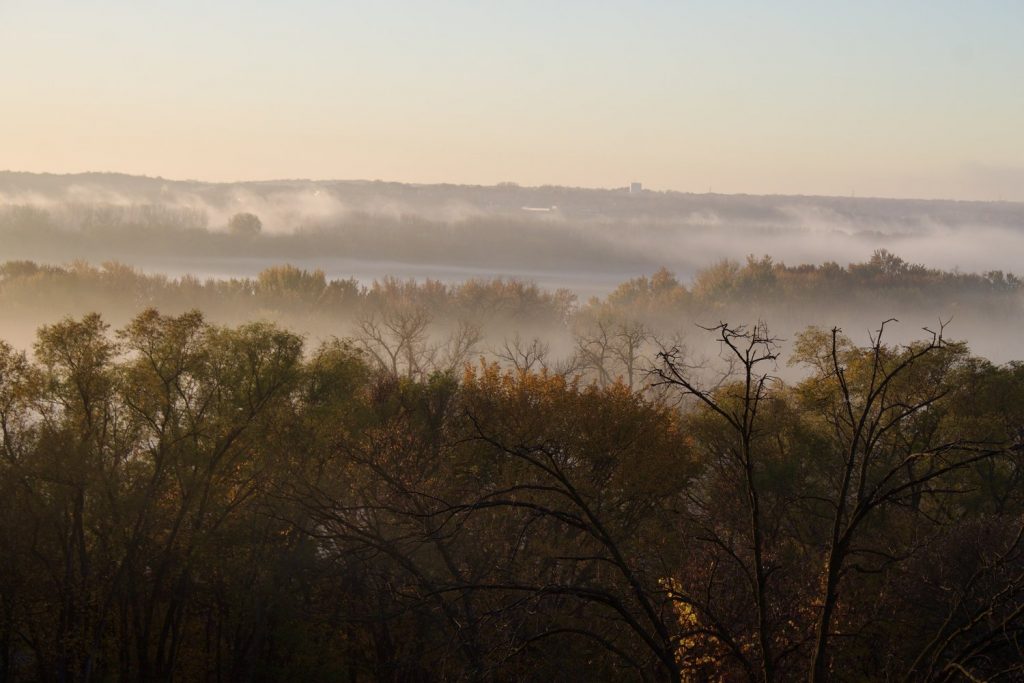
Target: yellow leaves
[621, 439]
[697, 653]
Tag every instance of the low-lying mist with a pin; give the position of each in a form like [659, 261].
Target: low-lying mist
[588, 240]
[416, 328]
[495, 269]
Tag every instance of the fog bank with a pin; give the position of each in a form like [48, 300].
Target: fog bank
[585, 239]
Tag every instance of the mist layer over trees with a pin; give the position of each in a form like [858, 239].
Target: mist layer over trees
[682, 438]
[588, 240]
[501, 315]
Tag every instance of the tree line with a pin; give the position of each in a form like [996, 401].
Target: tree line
[500, 313]
[190, 501]
[760, 280]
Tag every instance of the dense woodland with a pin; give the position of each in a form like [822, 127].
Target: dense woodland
[190, 501]
[362, 431]
[297, 477]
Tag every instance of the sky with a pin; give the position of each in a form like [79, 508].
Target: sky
[899, 99]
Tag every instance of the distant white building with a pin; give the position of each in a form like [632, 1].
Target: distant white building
[636, 188]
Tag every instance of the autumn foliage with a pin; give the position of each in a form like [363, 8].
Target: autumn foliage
[188, 501]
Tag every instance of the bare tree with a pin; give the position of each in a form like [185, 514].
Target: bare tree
[630, 342]
[523, 356]
[753, 353]
[614, 349]
[458, 348]
[878, 469]
[594, 350]
[396, 339]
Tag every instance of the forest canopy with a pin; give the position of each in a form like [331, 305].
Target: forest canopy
[203, 502]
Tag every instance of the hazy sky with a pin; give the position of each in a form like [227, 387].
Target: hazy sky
[878, 98]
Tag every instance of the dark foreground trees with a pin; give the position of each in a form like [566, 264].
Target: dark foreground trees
[188, 502]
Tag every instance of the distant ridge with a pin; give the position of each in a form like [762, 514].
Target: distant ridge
[28, 179]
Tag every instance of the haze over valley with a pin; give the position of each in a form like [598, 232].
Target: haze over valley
[585, 239]
[587, 242]
[462, 342]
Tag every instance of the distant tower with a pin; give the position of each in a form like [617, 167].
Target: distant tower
[636, 188]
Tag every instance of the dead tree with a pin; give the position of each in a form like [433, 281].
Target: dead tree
[750, 355]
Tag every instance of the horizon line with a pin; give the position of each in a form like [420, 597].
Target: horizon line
[516, 184]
